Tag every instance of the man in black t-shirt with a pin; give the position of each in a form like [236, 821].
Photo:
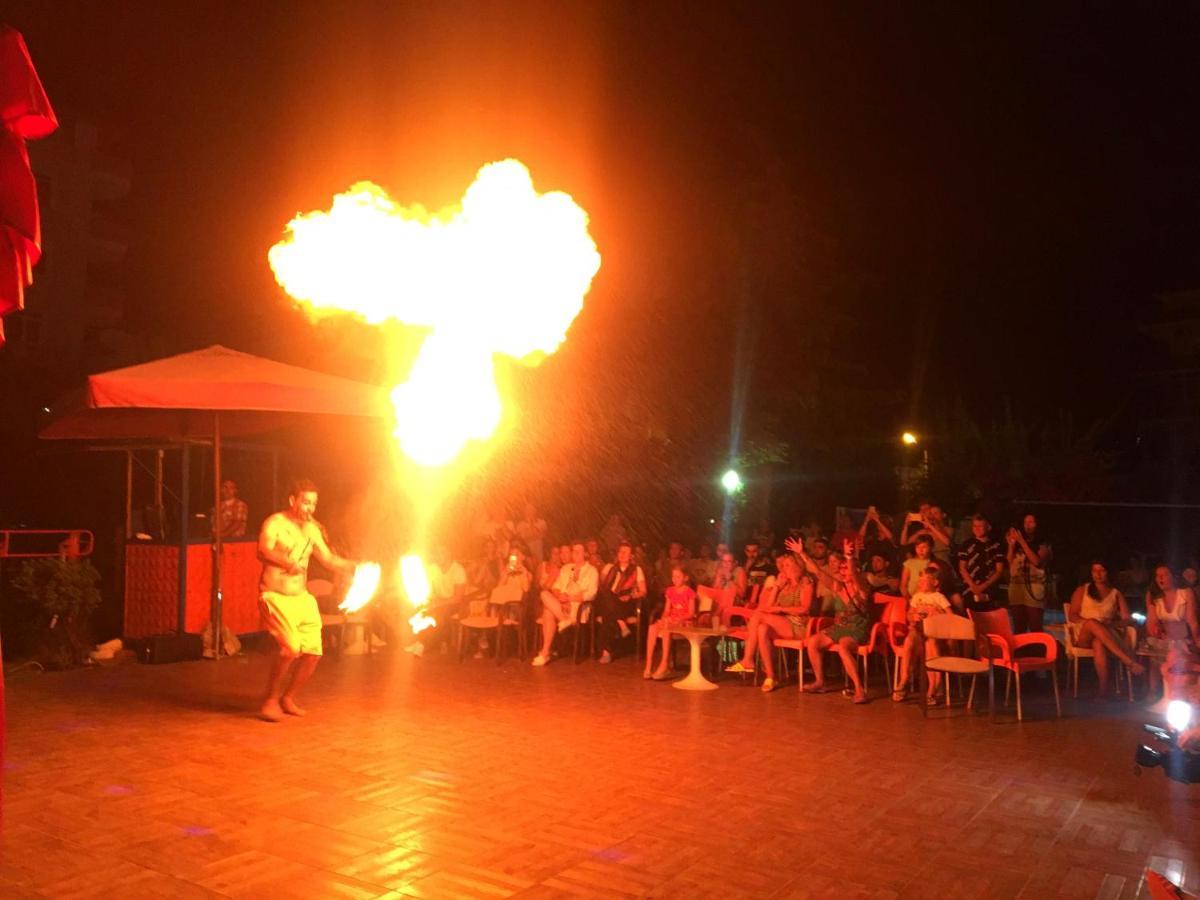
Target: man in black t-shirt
[980, 563]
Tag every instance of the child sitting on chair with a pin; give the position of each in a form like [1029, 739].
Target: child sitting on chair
[680, 610]
[927, 601]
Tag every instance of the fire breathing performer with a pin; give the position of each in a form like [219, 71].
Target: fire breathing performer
[286, 543]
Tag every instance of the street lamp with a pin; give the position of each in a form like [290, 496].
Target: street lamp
[731, 481]
[909, 439]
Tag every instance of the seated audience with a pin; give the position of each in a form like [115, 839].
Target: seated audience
[851, 626]
[879, 575]
[1171, 626]
[447, 590]
[576, 584]
[783, 611]
[703, 566]
[928, 600]
[1099, 614]
[622, 585]
[678, 610]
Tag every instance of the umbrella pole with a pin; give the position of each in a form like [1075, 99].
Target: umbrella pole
[215, 605]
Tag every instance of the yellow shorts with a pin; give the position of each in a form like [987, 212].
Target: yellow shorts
[294, 620]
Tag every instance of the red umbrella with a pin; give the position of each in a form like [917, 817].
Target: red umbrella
[25, 114]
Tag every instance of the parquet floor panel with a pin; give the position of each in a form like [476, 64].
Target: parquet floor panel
[432, 779]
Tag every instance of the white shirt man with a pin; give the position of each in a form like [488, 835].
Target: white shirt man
[576, 584]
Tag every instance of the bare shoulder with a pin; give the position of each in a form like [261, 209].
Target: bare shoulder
[313, 530]
[271, 523]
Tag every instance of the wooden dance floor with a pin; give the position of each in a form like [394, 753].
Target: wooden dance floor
[430, 778]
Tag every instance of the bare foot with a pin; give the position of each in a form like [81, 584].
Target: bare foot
[271, 711]
[289, 706]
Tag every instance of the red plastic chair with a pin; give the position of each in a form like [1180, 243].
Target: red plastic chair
[880, 639]
[995, 626]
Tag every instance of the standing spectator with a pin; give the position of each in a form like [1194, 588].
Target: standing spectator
[929, 520]
[577, 583]
[764, 536]
[980, 565]
[613, 534]
[229, 519]
[595, 555]
[914, 567]
[758, 568]
[665, 564]
[531, 531]
[844, 529]
[622, 584]
[703, 566]
[1028, 575]
[875, 535]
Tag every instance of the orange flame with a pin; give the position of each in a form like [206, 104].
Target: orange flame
[363, 587]
[417, 589]
[504, 272]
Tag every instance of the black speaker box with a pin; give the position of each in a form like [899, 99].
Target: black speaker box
[168, 648]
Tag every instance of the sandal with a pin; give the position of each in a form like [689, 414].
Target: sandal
[861, 700]
[661, 676]
[768, 685]
[816, 687]
[899, 696]
[739, 669]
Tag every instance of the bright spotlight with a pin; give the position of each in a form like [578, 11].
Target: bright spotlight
[731, 481]
[909, 438]
[1179, 715]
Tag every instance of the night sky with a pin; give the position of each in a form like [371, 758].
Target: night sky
[930, 201]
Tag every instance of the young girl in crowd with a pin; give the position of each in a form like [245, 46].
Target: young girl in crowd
[680, 610]
[928, 600]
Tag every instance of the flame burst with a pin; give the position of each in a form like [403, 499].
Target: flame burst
[363, 587]
[505, 272]
[417, 589]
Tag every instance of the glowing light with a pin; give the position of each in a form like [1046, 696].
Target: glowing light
[363, 587]
[417, 590]
[504, 272]
[910, 439]
[1179, 715]
[731, 481]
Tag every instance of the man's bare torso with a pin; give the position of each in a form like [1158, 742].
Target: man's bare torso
[292, 539]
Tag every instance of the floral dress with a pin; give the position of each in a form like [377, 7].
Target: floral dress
[851, 618]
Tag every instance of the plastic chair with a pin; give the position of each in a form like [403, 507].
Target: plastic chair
[1075, 653]
[996, 628]
[893, 607]
[949, 627]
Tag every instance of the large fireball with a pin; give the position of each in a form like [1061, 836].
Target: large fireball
[504, 272]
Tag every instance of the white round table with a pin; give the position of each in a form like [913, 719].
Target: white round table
[695, 680]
